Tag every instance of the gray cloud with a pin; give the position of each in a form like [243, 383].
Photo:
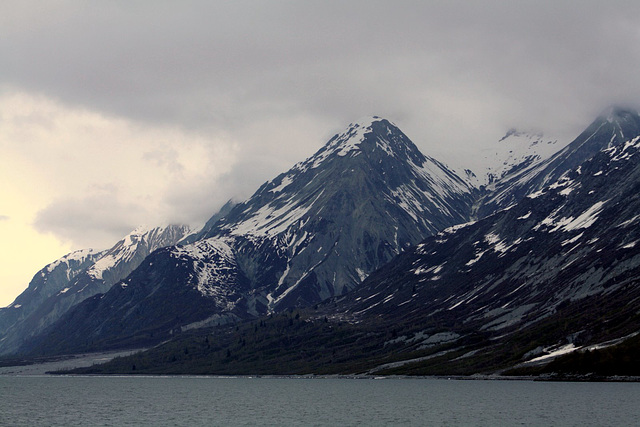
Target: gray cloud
[95, 221]
[280, 77]
[4, 218]
[221, 64]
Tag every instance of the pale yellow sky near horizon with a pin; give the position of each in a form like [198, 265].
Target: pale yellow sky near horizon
[25, 256]
[54, 156]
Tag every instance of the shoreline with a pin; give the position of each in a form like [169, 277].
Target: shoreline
[49, 365]
[46, 365]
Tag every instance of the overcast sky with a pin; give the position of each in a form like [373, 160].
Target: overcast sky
[120, 113]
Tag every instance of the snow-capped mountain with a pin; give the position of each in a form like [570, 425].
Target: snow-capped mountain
[360, 200]
[332, 221]
[514, 153]
[613, 127]
[129, 252]
[554, 273]
[47, 282]
[311, 233]
[76, 277]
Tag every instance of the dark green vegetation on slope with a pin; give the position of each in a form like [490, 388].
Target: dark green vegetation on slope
[311, 233]
[309, 343]
[556, 270]
[287, 343]
[559, 268]
[617, 360]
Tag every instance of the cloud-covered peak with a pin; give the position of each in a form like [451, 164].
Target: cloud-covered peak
[618, 113]
[367, 121]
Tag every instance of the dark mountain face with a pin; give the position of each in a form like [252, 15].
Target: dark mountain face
[311, 233]
[333, 219]
[76, 277]
[169, 302]
[613, 127]
[556, 271]
[536, 277]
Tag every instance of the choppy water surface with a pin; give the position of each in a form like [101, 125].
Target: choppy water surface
[193, 401]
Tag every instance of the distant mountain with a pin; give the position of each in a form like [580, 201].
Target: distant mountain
[313, 232]
[48, 282]
[76, 277]
[553, 274]
[514, 153]
[538, 168]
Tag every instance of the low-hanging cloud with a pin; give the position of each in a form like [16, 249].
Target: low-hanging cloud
[155, 61]
[87, 220]
[89, 179]
[245, 89]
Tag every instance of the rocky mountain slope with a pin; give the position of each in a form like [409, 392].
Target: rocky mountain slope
[552, 270]
[569, 195]
[47, 282]
[313, 232]
[75, 277]
[556, 271]
[554, 274]
[365, 196]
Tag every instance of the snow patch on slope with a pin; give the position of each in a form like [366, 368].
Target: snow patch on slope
[584, 220]
[80, 256]
[213, 263]
[269, 220]
[143, 238]
[516, 149]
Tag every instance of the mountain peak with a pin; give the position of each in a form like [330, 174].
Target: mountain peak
[310, 233]
[513, 154]
[367, 135]
[356, 133]
[530, 135]
[617, 113]
[150, 231]
[370, 184]
[137, 244]
[367, 121]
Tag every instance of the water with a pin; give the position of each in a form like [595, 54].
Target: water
[194, 401]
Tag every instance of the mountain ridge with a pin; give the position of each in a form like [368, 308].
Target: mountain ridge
[448, 303]
[310, 233]
[607, 130]
[554, 274]
[87, 273]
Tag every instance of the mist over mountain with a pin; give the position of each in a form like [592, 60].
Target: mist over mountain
[530, 257]
[613, 127]
[311, 233]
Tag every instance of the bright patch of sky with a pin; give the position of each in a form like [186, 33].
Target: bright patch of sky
[78, 179]
[114, 114]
